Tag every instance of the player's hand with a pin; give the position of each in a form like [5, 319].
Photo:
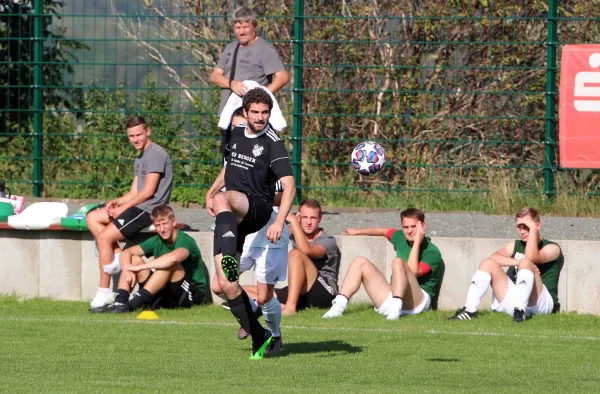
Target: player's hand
[238, 88]
[209, 205]
[420, 235]
[116, 212]
[110, 206]
[130, 277]
[351, 231]
[530, 223]
[274, 232]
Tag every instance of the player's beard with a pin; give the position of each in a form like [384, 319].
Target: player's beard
[254, 129]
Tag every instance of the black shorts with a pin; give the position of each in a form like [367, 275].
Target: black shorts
[319, 295]
[259, 213]
[132, 221]
[182, 294]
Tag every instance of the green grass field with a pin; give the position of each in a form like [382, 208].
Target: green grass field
[50, 346]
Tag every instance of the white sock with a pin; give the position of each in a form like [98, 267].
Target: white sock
[395, 309]
[114, 267]
[341, 302]
[523, 290]
[102, 297]
[479, 286]
[272, 315]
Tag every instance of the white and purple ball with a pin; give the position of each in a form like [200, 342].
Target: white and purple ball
[368, 158]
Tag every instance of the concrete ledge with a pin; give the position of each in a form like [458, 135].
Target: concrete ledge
[64, 265]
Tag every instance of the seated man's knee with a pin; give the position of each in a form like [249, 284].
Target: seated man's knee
[487, 265]
[526, 264]
[360, 261]
[295, 255]
[136, 260]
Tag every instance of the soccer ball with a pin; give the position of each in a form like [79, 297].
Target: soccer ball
[368, 158]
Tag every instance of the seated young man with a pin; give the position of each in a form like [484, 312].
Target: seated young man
[530, 286]
[313, 263]
[178, 279]
[124, 217]
[415, 271]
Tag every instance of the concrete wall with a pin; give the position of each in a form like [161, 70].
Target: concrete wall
[64, 265]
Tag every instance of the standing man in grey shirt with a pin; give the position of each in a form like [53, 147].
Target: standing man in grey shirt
[248, 58]
[313, 263]
[125, 216]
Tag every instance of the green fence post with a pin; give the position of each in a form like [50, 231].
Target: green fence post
[297, 107]
[550, 137]
[38, 99]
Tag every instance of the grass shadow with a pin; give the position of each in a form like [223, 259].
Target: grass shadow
[326, 347]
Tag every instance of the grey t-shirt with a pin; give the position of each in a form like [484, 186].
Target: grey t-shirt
[328, 266]
[154, 159]
[255, 62]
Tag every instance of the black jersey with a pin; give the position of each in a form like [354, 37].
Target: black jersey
[255, 162]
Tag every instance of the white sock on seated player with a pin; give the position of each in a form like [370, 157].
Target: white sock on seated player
[114, 267]
[103, 297]
[523, 289]
[395, 309]
[338, 306]
[479, 286]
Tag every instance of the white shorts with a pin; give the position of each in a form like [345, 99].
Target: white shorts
[425, 305]
[270, 264]
[544, 305]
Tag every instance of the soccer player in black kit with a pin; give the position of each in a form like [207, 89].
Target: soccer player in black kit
[255, 158]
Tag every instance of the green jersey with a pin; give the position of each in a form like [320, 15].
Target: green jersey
[550, 271]
[193, 265]
[430, 260]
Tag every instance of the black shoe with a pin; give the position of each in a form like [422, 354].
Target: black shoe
[99, 309]
[462, 314]
[519, 315]
[117, 307]
[260, 346]
[275, 345]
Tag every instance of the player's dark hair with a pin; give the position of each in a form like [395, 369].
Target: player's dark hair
[162, 211]
[256, 96]
[239, 112]
[136, 120]
[528, 211]
[311, 203]
[413, 213]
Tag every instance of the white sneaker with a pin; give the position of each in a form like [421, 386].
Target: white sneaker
[336, 310]
[395, 309]
[102, 298]
[114, 267]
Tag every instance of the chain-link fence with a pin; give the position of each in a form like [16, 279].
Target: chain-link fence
[461, 94]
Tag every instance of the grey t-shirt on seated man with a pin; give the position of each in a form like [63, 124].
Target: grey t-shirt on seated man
[328, 266]
[154, 159]
[255, 62]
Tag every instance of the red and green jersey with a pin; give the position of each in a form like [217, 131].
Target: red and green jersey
[430, 260]
[193, 265]
[550, 272]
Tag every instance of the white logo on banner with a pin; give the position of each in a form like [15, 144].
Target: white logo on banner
[587, 84]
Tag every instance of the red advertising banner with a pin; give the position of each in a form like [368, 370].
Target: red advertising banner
[579, 111]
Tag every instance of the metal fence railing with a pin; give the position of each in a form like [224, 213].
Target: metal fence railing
[462, 95]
